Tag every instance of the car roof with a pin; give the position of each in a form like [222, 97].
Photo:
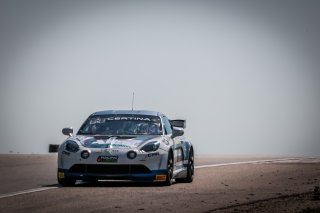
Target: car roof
[128, 112]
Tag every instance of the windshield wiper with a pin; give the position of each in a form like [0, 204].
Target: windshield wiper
[125, 136]
[102, 136]
[114, 136]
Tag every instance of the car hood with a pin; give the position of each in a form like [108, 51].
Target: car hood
[117, 142]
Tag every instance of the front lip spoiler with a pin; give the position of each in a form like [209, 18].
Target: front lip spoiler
[150, 177]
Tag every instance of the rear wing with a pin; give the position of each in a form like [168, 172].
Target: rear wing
[178, 123]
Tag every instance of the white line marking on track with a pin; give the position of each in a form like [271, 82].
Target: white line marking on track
[27, 191]
[249, 162]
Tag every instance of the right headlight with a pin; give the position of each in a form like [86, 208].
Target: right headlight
[72, 146]
[151, 147]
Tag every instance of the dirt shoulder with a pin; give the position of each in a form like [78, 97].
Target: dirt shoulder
[279, 187]
[300, 203]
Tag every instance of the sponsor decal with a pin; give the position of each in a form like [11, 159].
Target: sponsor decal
[153, 154]
[119, 145]
[110, 151]
[127, 119]
[107, 146]
[107, 151]
[118, 118]
[65, 153]
[107, 159]
[150, 155]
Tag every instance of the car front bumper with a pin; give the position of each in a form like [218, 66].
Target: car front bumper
[112, 172]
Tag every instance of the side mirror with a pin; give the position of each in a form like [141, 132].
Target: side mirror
[178, 123]
[177, 132]
[67, 131]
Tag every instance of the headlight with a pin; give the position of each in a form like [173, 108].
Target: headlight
[151, 147]
[72, 146]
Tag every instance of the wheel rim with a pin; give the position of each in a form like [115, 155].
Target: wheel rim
[170, 167]
[191, 164]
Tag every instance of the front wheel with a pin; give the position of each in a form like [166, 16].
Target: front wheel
[67, 182]
[190, 170]
[64, 181]
[168, 181]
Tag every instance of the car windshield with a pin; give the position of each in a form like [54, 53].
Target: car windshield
[121, 125]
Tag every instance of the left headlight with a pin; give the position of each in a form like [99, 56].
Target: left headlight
[72, 146]
[151, 147]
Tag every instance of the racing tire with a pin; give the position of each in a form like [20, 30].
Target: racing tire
[190, 170]
[168, 181]
[66, 181]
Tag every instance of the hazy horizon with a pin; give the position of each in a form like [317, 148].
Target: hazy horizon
[244, 74]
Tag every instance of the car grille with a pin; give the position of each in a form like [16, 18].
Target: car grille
[109, 169]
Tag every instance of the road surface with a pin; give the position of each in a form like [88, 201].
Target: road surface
[222, 184]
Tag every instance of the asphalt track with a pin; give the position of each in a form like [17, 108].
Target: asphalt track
[221, 183]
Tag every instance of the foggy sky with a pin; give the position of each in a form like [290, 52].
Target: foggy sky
[244, 74]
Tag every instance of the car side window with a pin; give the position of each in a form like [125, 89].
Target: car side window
[167, 125]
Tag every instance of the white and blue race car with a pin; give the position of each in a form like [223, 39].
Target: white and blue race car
[126, 145]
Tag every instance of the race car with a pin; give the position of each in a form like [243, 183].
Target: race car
[128, 145]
